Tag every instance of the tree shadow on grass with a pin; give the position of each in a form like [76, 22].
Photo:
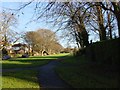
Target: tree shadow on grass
[25, 75]
[24, 63]
[36, 58]
[29, 62]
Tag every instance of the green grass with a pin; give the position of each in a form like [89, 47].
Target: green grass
[25, 78]
[22, 64]
[20, 79]
[80, 73]
[33, 61]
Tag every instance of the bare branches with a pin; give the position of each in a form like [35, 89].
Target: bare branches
[76, 17]
[43, 40]
[25, 5]
[7, 20]
[105, 8]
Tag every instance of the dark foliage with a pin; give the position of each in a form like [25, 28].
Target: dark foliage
[107, 52]
[80, 52]
[4, 52]
[25, 56]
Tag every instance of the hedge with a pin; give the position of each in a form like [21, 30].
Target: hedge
[105, 52]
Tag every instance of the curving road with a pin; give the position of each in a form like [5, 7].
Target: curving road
[48, 78]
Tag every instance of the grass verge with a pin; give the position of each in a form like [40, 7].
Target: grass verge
[80, 73]
[21, 79]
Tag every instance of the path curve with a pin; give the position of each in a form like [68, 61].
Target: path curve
[48, 78]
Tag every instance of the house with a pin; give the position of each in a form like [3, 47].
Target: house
[20, 48]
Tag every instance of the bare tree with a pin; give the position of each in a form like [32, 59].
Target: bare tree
[101, 21]
[7, 20]
[102, 29]
[69, 15]
[33, 39]
[43, 40]
[115, 9]
[75, 16]
[63, 15]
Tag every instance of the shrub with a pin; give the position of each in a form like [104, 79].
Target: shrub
[4, 52]
[80, 52]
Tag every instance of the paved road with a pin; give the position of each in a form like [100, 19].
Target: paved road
[48, 78]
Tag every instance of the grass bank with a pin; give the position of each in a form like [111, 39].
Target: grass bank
[80, 73]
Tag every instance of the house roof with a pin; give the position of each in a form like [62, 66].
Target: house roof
[19, 45]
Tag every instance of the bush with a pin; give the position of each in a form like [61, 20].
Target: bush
[79, 52]
[25, 56]
[5, 55]
[4, 52]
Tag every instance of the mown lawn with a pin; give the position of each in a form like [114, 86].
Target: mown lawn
[80, 73]
[20, 79]
[33, 61]
[22, 64]
[24, 78]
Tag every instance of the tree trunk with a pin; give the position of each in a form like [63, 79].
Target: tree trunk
[80, 38]
[117, 14]
[102, 31]
[118, 22]
[28, 49]
[85, 38]
[110, 32]
[109, 25]
[32, 53]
